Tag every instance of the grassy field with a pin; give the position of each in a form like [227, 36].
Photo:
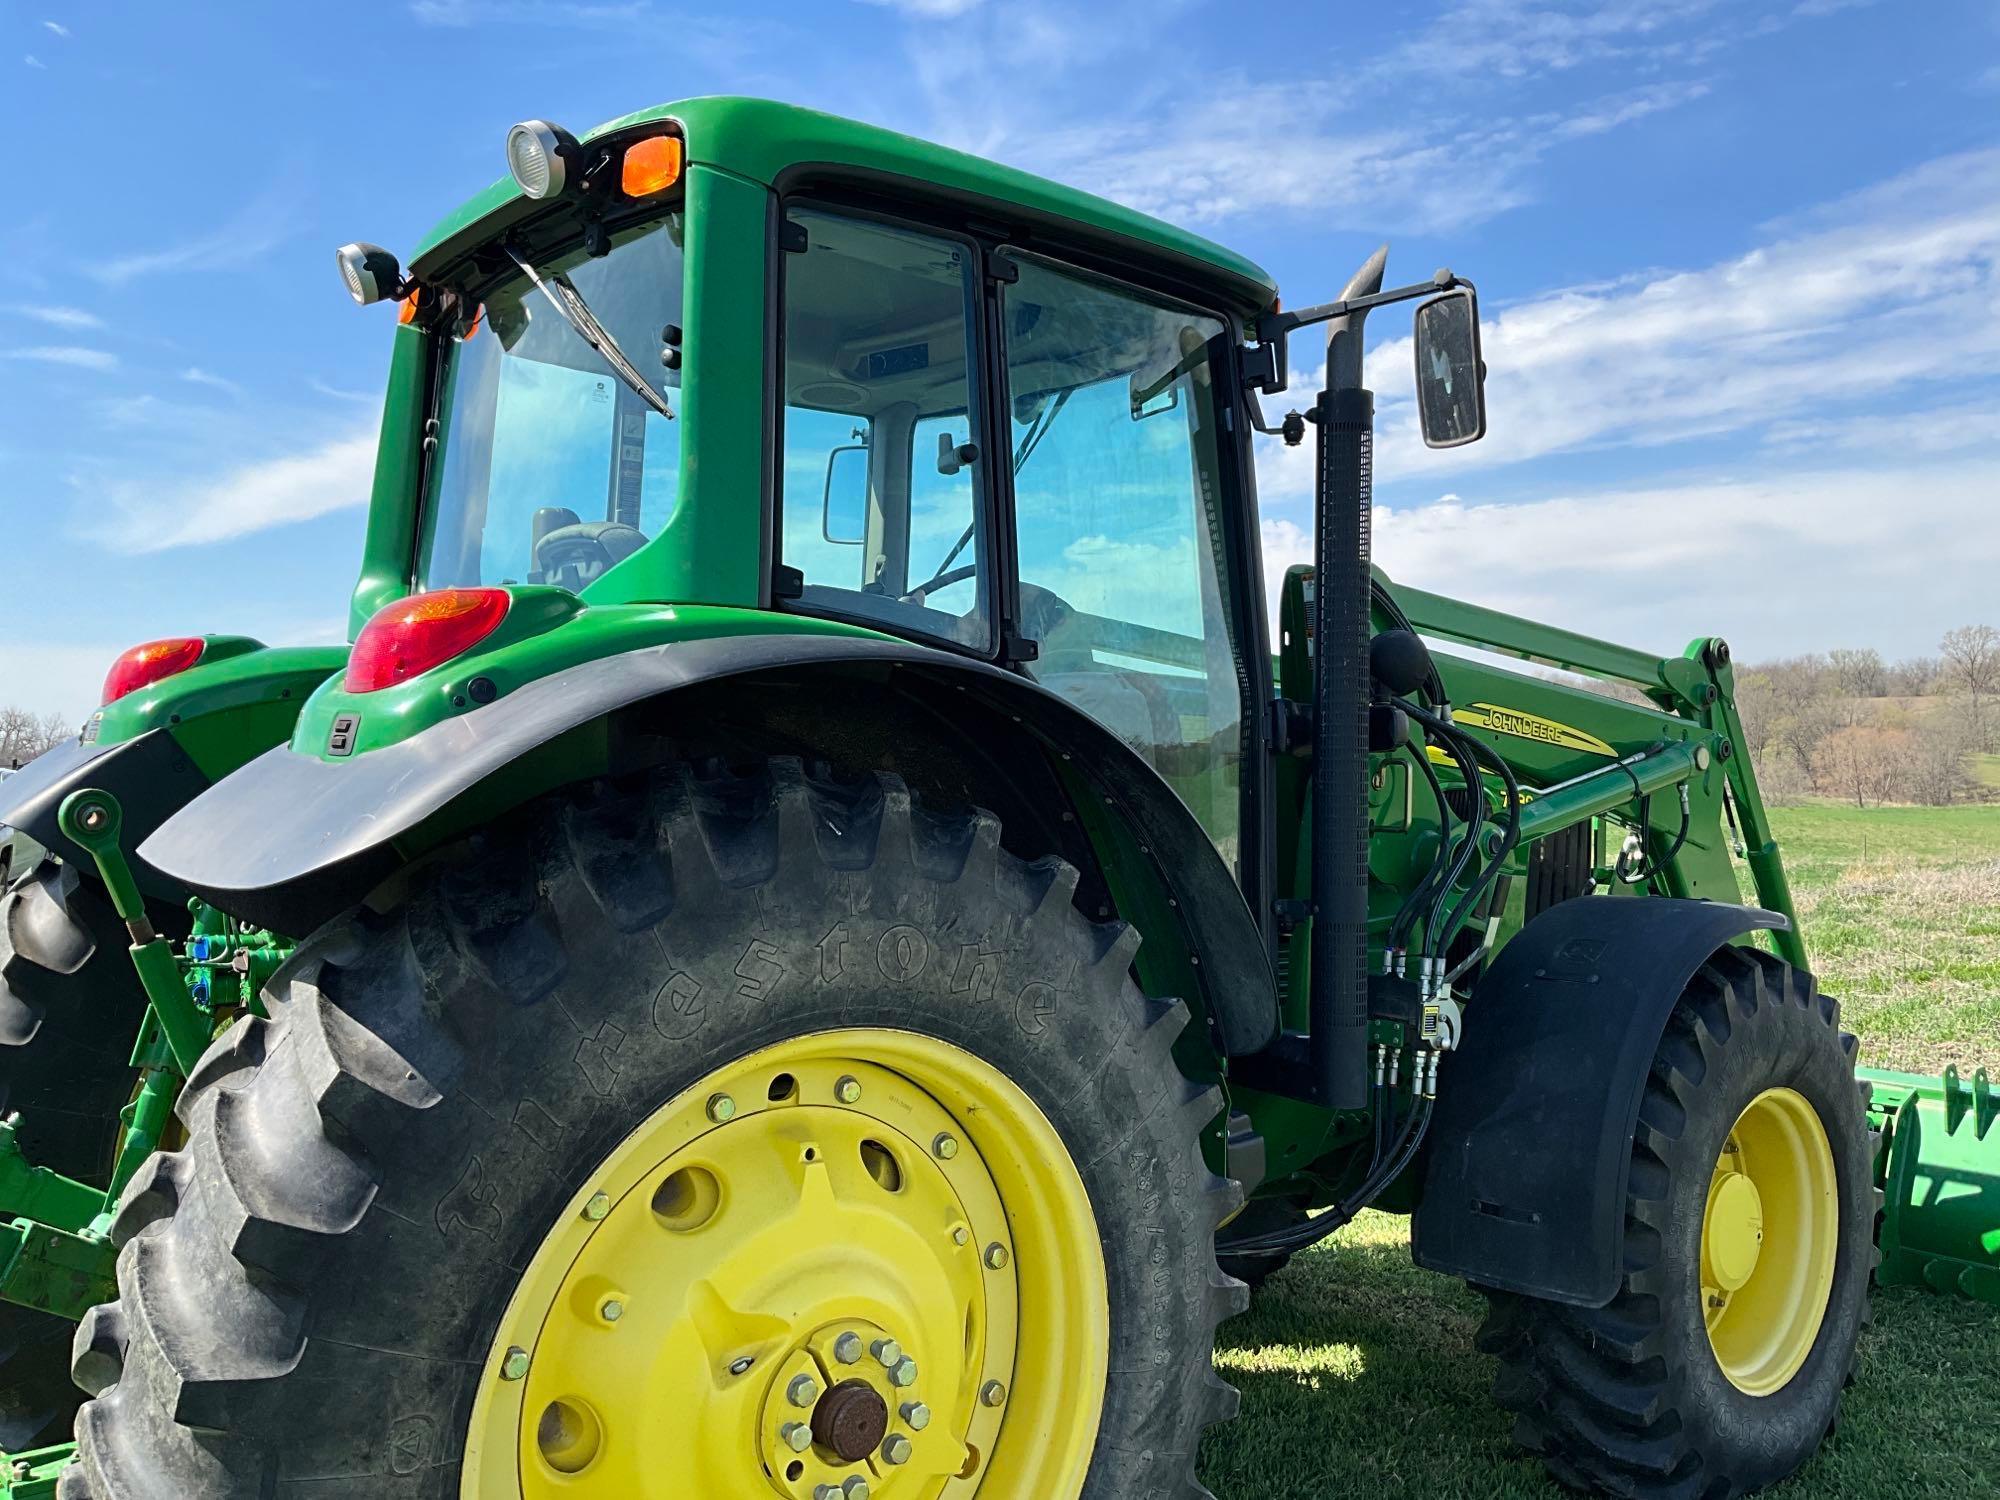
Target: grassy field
[1357, 1370]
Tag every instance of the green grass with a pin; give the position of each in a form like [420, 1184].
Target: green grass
[1357, 1370]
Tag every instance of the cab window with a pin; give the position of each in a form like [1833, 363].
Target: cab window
[1118, 501]
[883, 483]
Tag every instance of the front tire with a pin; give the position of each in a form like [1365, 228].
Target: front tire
[387, 1263]
[1719, 1365]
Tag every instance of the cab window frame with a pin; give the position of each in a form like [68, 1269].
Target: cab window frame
[991, 229]
[994, 590]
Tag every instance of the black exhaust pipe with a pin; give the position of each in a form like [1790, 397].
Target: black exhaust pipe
[1341, 624]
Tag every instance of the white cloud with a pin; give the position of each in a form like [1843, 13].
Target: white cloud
[146, 516]
[1220, 160]
[65, 354]
[195, 375]
[1880, 300]
[58, 317]
[320, 387]
[33, 61]
[57, 27]
[250, 233]
[1781, 563]
[1528, 38]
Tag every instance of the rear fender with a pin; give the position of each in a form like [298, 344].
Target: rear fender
[1531, 1145]
[292, 839]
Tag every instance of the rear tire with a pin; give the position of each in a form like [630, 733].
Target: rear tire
[1632, 1399]
[70, 1007]
[316, 1291]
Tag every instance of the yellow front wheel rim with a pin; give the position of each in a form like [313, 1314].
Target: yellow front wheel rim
[1769, 1242]
[859, 1263]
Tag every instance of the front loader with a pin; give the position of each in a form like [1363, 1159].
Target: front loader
[813, 943]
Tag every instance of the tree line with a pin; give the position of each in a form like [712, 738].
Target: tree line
[1851, 725]
[23, 736]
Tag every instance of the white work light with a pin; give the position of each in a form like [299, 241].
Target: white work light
[539, 154]
[372, 274]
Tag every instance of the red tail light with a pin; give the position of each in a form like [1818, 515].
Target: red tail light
[145, 665]
[409, 637]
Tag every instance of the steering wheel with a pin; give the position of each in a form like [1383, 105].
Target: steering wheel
[943, 580]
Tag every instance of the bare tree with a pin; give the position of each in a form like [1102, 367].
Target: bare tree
[1865, 762]
[1858, 672]
[1789, 705]
[52, 731]
[1913, 677]
[1971, 660]
[19, 737]
[1937, 773]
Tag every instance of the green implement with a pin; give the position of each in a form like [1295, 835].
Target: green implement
[1939, 1169]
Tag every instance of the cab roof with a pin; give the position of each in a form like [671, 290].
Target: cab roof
[764, 141]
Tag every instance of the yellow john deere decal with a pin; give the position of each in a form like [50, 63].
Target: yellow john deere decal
[1495, 719]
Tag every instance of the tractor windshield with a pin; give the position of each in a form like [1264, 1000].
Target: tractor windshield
[553, 468]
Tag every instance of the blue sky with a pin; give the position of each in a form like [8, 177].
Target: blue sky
[1737, 260]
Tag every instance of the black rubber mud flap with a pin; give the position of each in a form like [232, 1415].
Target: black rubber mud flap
[1531, 1145]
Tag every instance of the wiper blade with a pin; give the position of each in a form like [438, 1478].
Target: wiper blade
[568, 301]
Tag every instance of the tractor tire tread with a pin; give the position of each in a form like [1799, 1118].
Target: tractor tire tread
[207, 1370]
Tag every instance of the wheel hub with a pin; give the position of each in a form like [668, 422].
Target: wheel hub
[803, 1278]
[1733, 1234]
[1769, 1242]
[850, 1421]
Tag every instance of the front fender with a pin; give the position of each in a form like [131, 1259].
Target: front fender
[292, 838]
[1531, 1144]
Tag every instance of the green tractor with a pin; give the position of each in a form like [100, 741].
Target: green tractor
[664, 1013]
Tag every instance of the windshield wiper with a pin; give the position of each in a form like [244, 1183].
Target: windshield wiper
[568, 301]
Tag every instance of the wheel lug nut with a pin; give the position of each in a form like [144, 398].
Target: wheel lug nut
[612, 1310]
[961, 1236]
[945, 1147]
[856, 1488]
[996, 1257]
[741, 1366]
[848, 1090]
[796, 1436]
[826, 1492]
[847, 1348]
[916, 1415]
[803, 1391]
[721, 1108]
[897, 1450]
[598, 1206]
[903, 1374]
[515, 1365]
[887, 1351]
[993, 1393]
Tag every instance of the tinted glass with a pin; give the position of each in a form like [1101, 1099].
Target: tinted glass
[1117, 454]
[552, 471]
[879, 352]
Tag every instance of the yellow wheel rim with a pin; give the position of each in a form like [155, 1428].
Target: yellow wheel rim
[857, 1263]
[1769, 1242]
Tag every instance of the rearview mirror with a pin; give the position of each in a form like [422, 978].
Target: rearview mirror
[844, 506]
[1451, 377]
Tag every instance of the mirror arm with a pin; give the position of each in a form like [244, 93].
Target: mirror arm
[1274, 326]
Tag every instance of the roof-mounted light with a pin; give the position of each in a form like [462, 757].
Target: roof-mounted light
[372, 274]
[651, 166]
[540, 156]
